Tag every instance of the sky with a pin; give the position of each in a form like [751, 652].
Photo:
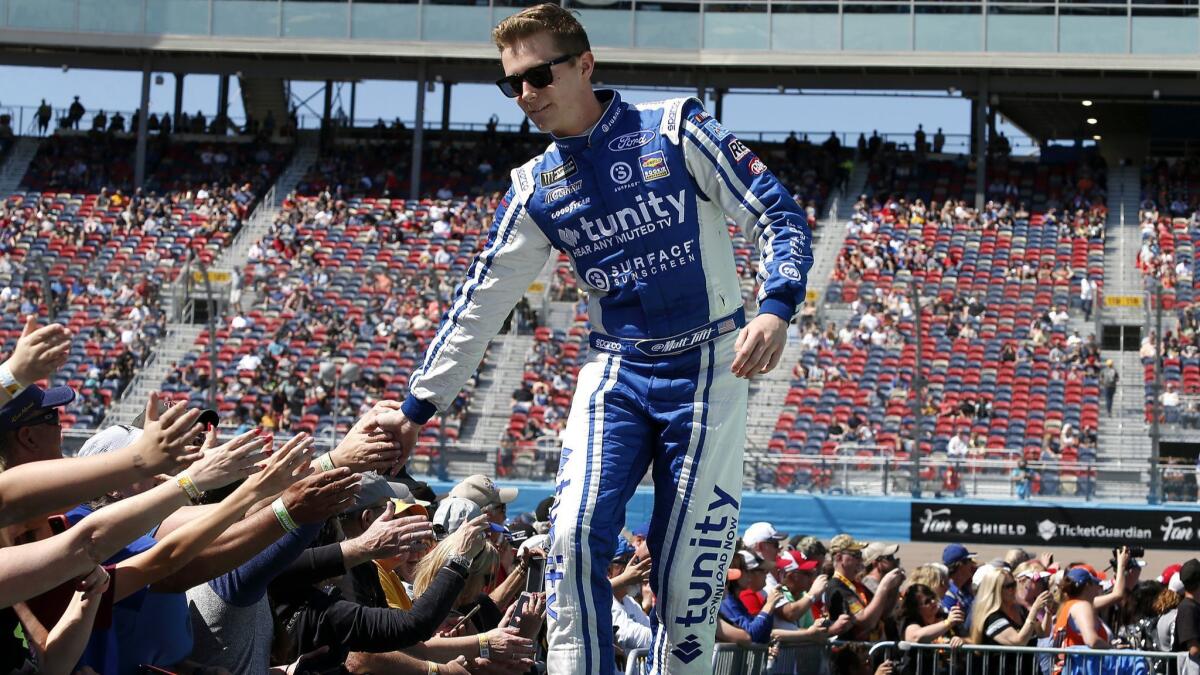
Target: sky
[745, 113]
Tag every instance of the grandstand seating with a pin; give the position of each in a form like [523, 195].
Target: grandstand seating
[1170, 240]
[1031, 396]
[105, 260]
[365, 279]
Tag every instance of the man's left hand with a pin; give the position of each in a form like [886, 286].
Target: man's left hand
[759, 346]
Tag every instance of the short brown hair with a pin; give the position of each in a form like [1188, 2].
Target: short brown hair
[561, 24]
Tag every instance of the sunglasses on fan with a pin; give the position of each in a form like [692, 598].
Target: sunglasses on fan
[538, 77]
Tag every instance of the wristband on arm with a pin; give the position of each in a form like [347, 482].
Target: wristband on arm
[325, 462]
[8, 382]
[281, 514]
[185, 483]
[485, 651]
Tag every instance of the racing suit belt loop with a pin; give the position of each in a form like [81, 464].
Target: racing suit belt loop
[668, 346]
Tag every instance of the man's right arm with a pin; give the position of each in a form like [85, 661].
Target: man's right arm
[515, 254]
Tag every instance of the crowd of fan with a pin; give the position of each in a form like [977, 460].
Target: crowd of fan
[305, 562]
[184, 550]
[455, 165]
[288, 273]
[784, 591]
[893, 255]
[196, 199]
[162, 125]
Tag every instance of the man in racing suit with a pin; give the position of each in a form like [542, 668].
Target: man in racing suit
[637, 196]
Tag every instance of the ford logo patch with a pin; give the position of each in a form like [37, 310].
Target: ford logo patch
[630, 141]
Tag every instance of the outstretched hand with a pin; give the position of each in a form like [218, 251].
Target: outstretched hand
[165, 442]
[39, 351]
[375, 443]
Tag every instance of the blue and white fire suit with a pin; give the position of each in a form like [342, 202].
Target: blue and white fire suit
[639, 204]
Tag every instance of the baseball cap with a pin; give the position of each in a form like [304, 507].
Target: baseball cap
[809, 545]
[760, 532]
[113, 438]
[372, 489]
[876, 550]
[481, 490]
[1080, 575]
[1169, 572]
[454, 511]
[844, 543]
[1175, 584]
[208, 417]
[34, 405]
[542, 512]
[541, 541]
[624, 550]
[642, 530]
[794, 561]
[752, 561]
[1033, 573]
[405, 494]
[956, 553]
[1189, 573]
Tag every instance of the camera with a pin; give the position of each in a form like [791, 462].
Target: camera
[1134, 552]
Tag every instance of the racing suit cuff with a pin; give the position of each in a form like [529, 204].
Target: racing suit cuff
[417, 410]
[781, 308]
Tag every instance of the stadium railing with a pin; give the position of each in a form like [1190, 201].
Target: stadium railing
[912, 657]
[994, 660]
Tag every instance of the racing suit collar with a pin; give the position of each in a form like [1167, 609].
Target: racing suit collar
[613, 110]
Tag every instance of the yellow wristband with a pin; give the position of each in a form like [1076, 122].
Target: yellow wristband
[484, 651]
[433, 667]
[325, 461]
[189, 488]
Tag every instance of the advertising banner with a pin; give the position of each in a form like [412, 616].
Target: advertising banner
[1058, 525]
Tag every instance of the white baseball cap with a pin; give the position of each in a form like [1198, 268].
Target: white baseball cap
[760, 532]
[454, 511]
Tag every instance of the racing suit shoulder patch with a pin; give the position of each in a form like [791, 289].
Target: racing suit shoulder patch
[671, 125]
[523, 178]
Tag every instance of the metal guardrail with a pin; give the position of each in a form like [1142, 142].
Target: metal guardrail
[995, 660]
[912, 657]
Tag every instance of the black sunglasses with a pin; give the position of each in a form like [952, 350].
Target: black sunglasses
[539, 77]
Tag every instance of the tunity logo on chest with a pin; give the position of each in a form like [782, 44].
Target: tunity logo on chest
[646, 215]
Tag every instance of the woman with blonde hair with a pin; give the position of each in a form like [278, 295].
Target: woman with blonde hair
[484, 559]
[998, 619]
[933, 575]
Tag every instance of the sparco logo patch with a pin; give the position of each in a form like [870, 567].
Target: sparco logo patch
[561, 172]
[564, 191]
[630, 141]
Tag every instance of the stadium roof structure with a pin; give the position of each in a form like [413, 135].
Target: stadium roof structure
[1034, 60]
